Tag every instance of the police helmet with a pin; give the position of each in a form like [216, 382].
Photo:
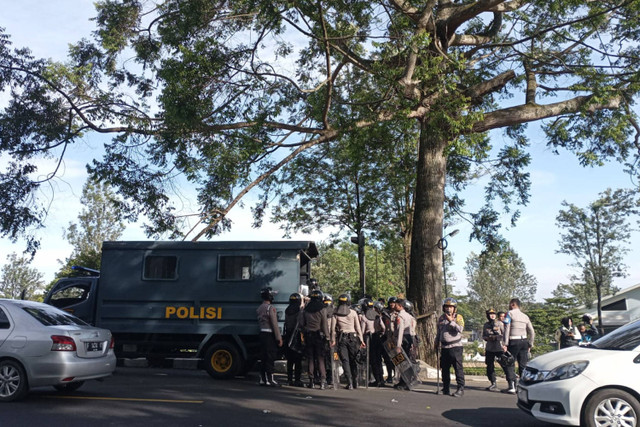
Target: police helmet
[378, 306]
[295, 297]
[344, 299]
[450, 302]
[267, 294]
[367, 304]
[328, 299]
[316, 295]
[391, 300]
[408, 306]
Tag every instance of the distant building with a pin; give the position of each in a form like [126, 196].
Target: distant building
[618, 309]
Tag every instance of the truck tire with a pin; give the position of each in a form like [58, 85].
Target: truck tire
[222, 360]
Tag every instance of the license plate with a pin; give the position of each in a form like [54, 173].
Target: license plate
[523, 394]
[93, 346]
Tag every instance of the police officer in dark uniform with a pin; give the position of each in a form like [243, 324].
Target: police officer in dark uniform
[387, 317]
[270, 338]
[313, 321]
[293, 350]
[328, 308]
[347, 334]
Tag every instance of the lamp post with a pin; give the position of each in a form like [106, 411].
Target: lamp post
[442, 244]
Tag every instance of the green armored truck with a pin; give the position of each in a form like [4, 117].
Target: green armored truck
[186, 299]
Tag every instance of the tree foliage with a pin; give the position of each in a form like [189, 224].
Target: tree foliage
[224, 94]
[546, 319]
[19, 279]
[597, 237]
[494, 278]
[336, 270]
[99, 221]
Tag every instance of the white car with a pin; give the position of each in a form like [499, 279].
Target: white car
[595, 385]
[41, 345]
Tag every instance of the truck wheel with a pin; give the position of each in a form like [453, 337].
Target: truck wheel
[612, 407]
[13, 381]
[222, 360]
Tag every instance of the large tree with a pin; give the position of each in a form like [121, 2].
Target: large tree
[19, 280]
[223, 94]
[494, 277]
[100, 220]
[597, 237]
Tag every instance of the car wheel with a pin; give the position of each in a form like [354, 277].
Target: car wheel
[222, 360]
[612, 407]
[13, 381]
[69, 387]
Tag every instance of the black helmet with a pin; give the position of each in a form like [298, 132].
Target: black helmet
[408, 306]
[367, 303]
[328, 299]
[317, 295]
[450, 302]
[344, 299]
[378, 306]
[295, 297]
[267, 294]
[391, 300]
[313, 284]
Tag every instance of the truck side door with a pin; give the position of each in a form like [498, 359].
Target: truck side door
[76, 296]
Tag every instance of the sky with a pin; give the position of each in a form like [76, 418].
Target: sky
[47, 27]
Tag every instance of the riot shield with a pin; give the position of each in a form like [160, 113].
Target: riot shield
[402, 364]
[335, 367]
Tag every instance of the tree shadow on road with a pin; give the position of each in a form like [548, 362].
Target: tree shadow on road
[493, 417]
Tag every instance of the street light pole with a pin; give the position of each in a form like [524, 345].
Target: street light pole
[442, 244]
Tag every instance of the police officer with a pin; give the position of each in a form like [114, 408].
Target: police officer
[413, 354]
[449, 339]
[518, 338]
[270, 338]
[293, 349]
[328, 308]
[493, 334]
[402, 333]
[313, 321]
[375, 349]
[347, 334]
[388, 317]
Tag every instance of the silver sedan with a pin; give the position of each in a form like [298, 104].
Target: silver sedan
[41, 345]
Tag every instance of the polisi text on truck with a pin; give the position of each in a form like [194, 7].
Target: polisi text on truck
[183, 312]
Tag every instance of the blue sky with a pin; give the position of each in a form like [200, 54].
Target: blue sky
[47, 28]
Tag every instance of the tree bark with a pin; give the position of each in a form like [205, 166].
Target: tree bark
[425, 276]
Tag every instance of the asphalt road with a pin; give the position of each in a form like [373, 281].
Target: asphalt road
[150, 397]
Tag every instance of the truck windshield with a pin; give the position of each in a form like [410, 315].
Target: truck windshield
[53, 317]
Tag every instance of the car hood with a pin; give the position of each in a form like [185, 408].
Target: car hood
[594, 355]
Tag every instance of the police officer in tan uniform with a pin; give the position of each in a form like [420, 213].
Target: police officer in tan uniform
[270, 338]
[518, 338]
[346, 332]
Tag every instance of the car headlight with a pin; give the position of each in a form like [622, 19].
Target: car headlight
[566, 371]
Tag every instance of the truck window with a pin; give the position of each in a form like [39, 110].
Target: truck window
[160, 267]
[234, 267]
[70, 295]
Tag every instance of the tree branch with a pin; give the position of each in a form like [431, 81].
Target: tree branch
[532, 112]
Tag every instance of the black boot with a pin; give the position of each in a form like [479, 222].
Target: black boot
[310, 385]
[459, 392]
[263, 379]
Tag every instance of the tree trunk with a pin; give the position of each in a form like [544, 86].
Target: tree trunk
[425, 277]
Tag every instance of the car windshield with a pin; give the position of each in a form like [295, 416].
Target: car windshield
[626, 337]
[52, 317]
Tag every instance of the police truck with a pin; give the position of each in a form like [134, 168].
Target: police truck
[164, 300]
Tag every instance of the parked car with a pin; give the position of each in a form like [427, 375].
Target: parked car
[592, 385]
[41, 345]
